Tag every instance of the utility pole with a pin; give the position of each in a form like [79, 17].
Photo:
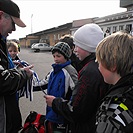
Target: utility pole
[31, 23]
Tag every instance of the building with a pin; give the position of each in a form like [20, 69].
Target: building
[49, 36]
[127, 4]
[111, 23]
[116, 22]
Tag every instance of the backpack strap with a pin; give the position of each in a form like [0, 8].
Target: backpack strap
[36, 122]
[28, 128]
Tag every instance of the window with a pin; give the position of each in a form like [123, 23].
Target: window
[54, 37]
[40, 44]
[58, 36]
[114, 29]
[129, 27]
[121, 27]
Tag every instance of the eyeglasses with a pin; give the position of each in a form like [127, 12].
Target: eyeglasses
[13, 24]
[8, 16]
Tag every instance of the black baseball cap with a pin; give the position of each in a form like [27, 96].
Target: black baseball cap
[9, 7]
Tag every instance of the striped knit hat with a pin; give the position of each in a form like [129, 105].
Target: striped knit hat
[64, 48]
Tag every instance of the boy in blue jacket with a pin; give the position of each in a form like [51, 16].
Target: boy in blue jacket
[59, 82]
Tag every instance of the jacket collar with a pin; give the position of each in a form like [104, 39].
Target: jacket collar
[88, 59]
[121, 86]
[3, 43]
[58, 67]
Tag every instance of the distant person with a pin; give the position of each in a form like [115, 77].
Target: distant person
[59, 82]
[107, 33]
[74, 59]
[80, 111]
[11, 80]
[18, 45]
[115, 57]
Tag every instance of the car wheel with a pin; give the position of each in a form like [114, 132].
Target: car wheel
[37, 50]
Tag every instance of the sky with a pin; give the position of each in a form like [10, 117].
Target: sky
[39, 15]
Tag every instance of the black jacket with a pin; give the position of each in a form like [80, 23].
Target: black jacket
[75, 62]
[11, 80]
[85, 100]
[115, 114]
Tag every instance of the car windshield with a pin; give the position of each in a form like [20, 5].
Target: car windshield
[40, 45]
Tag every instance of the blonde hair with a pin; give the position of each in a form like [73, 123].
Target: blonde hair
[116, 50]
[13, 45]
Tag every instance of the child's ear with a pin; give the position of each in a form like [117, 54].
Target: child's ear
[113, 69]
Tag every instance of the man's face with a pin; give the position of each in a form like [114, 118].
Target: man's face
[6, 24]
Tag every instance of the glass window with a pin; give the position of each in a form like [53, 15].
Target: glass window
[121, 27]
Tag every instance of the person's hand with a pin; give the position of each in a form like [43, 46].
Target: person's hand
[18, 64]
[28, 70]
[49, 99]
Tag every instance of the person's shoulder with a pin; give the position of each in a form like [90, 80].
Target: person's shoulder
[70, 67]
[91, 68]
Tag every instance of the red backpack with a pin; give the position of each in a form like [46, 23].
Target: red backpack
[34, 123]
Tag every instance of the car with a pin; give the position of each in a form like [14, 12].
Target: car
[41, 47]
[33, 44]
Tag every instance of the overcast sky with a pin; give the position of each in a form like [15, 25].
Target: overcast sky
[40, 15]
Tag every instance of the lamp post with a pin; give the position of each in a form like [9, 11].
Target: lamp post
[31, 23]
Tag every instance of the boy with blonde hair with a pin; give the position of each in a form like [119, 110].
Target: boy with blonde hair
[13, 50]
[115, 57]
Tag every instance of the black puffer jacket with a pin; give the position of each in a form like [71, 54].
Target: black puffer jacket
[75, 62]
[115, 114]
[10, 81]
[85, 100]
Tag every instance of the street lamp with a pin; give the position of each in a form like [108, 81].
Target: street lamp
[31, 23]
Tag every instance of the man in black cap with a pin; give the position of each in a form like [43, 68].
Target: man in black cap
[11, 80]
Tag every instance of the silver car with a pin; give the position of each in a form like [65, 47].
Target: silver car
[41, 46]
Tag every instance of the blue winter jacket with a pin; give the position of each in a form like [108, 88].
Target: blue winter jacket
[58, 85]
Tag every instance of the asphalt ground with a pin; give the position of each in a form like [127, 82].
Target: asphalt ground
[42, 64]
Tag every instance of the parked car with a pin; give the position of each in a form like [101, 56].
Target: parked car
[33, 44]
[41, 46]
